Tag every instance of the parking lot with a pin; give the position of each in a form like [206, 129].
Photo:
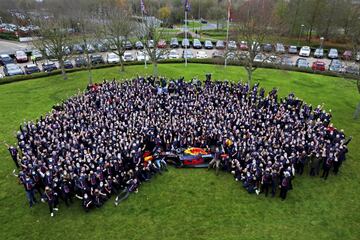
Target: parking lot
[205, 53]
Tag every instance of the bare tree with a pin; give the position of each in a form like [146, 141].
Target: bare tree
[88, 33]
[54, 39]
[117, 29]
[150, 34]
[252, 27]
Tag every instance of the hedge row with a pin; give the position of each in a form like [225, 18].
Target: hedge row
[6, 80]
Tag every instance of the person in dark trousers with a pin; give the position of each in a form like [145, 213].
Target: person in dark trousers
[13, 153]
[266, 182]
[274, 182]
[132, 186]
[87, 203]
[51, 198]
[284, 186]
[326, 168]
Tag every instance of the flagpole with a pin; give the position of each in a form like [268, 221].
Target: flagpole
[227, 34]
[185, 55]
[142, 17]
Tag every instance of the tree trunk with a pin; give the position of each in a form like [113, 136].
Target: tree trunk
[155, 68]
[63, 73]
[90, 76]
[122, 66]
[89, 67]
[249, 72]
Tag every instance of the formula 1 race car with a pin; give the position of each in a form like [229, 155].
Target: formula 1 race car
[189, 158]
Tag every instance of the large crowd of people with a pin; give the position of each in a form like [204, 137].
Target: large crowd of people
[92, 145]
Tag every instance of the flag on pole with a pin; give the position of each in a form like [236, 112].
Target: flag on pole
[187, 6]
[142, 6]
[229, 10]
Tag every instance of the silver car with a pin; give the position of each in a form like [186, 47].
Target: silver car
[12, 69]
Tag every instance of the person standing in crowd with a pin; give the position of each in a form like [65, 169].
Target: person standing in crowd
[13, 153]
[51, 198]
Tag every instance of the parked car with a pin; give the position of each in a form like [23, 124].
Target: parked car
[12, 69]
[49, 66]
[141, 56]
[80, 62]
[302, 63]
[230, 56]
[292, 50]
[201, 54]
[267, 47]
[173, 54]
[220, 44]
[208, 44]
[347, 55]
[319, 53]
[305, 51]
[357, 58]
[77, 48]
[217, 54]
[273, 59]
[243, 46]
[203, 21]
[102, 46]
[150, 44]
[112, 58]
[66, 50]
[231, 45]
[128, 57]
[128, 45]
[161, 43]
[36, 54]
[318, 66]
[259, 58]
[138, 45]
[279, 48]
[68, 64]
[335, 65]
[5, 59]
[160, 54]
[96, 59]
[352, 69]
[286, 60]
[174, 43]
[185, 43]
[187, 53]
[333, 53]
[197, 44]
[21, 56]
[256, 45]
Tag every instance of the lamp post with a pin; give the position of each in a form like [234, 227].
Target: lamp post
[302, 26]
[321, 42]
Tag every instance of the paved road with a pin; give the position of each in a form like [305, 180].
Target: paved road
[9, 47]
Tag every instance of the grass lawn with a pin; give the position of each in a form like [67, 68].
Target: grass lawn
[190, 203]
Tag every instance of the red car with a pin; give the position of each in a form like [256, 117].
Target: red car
[161, 44]
[243, 46]
[318, 66]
